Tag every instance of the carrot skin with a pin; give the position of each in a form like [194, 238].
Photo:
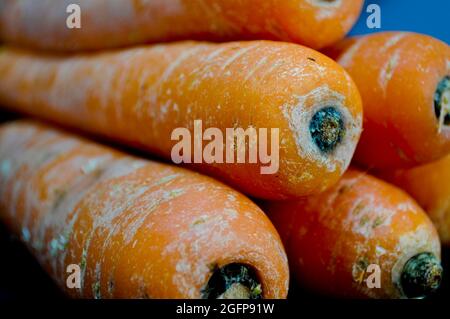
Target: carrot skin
[120, 23]
[139, 96]
[402, 125]
[332, 238]
[136, 228]
[429, 185]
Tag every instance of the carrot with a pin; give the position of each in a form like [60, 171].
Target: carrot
[430, 185]
[117, 23]
[140, 96]
[339, 241]
[404, 81]
[135, 228]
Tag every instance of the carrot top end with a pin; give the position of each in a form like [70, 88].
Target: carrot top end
[421, 275]
[441, 101]
[233, 281]
[327, 129]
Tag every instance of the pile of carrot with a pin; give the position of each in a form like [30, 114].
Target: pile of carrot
[353, 190]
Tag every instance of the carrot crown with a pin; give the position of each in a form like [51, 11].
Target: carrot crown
[327, 128]
[233, 281]
[421, 276]
[441, 101]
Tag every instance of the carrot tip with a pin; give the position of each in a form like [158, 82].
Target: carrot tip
[233, 281]
[441, 101]
[421, 275]
[327, 129]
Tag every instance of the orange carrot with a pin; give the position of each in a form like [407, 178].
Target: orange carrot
[114, 23]
[139, 96]
[340, 241]
[404, 80]
[430, 186]
[135, 228]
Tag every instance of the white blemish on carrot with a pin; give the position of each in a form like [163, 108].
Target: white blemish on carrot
[407, 206]
[258, 65]
[179, 61]
[387, 71]
[324, 3]
[215, 53]
[327, 9]
[367, 216]
[273, 67]
[418, 240]
[60, 221]
[93, 164]
[380, 251]
[299, 117]
[393, 40]
[238, 54]
[232, 213]
[346, 59]
[167, 179]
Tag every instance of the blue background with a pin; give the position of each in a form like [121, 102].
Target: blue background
[424, 16]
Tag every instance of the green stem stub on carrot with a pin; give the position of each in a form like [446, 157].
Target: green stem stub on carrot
[327, 129]
[233, 281]
[421, 276]
[441, 102]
